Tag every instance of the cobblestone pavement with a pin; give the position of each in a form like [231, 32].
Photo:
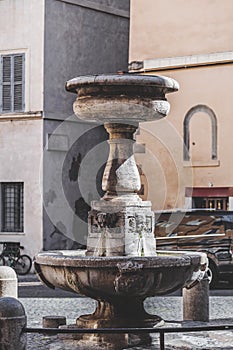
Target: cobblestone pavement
[169, 308]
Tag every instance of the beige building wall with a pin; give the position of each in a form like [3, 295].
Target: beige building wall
[22, 31]
[165, 28]
[21, 28]
[190, 41]
[21, 161]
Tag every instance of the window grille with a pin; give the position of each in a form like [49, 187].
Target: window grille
[12, 206]
[12, 83]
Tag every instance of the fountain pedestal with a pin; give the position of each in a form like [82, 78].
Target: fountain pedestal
[120, 314]
[121, 223]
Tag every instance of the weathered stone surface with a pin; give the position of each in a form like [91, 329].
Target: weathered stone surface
[121, 173]
[53, 321]
[120, 268]
[8, 282]
[121, 223]
[196, 302]
[96, 276]
[12, 322]
[125, 232]
[121, 97]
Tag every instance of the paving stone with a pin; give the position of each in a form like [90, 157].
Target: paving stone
[169, 308]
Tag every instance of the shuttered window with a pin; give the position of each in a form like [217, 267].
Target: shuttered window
[12, 83]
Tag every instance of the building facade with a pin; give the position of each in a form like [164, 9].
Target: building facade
[190, 152]
[42, 45]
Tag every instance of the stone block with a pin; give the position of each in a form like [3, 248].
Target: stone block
[8, 282]
[128, 231]
[12, 322]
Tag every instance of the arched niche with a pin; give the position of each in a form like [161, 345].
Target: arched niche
[213, 120]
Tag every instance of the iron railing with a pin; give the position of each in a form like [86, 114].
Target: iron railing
[161, 331]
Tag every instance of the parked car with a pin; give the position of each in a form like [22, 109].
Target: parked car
[199, 230]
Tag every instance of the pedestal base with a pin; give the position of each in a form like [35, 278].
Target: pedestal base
[107, 315]
[104, 341]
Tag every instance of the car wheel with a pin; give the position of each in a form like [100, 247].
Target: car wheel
[212, 274]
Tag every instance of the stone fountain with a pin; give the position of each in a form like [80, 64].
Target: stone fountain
[120, 267]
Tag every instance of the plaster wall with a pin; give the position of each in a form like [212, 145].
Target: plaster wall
[195, 38]
[21, 27]
[165, 141]
[20, 157]
[164, 28]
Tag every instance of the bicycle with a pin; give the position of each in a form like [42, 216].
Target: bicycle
[11, 256]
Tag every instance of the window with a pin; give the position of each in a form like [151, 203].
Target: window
[218, 198]
[217, 203]
[12, 206]
[12, 83]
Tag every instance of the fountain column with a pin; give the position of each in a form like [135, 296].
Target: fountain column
[121, 176]
[121, 223]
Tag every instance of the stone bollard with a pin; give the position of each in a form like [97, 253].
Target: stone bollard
[196, 302]
[12, 322]
[8, 282]
[53, 321]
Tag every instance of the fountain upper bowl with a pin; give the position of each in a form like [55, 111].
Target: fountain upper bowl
[121, 98]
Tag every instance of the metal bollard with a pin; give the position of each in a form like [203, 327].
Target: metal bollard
[8, 282]
[12, 322]
[196, 302]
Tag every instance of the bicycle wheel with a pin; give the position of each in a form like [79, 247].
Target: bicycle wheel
[2, 261]
[23, 264]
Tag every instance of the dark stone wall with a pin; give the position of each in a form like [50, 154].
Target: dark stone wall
[71, 180]
[80, 41]
[118, 4]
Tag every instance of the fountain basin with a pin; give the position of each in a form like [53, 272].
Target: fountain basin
[121, 98]
[116, 277]
[120, 285]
